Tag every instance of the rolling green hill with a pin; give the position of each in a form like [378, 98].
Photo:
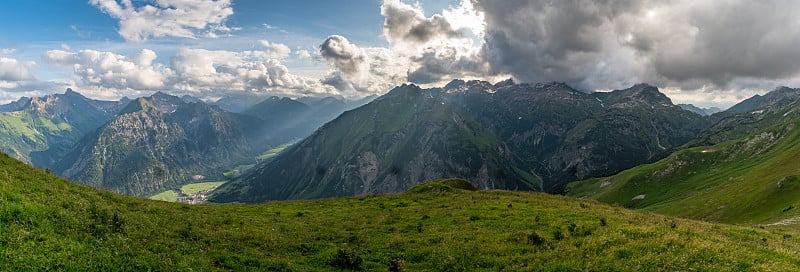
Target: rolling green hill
[47, 223]
[750, 180]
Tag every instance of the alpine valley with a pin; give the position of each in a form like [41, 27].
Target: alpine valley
[147, 145]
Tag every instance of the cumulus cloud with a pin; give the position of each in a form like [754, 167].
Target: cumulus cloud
[176, 18]
[206, 70]
[406, 23]
[542, 40]
[359, 70]
[276, 50]
[344, 56]
[112, 70]
[422, 50]
[438, 47]
[198, 71]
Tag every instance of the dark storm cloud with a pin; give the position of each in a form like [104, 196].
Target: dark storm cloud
[669, 42]
[733, 39]
[549, 40]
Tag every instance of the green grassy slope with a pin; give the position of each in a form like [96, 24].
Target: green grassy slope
[750, 180]
[49, 223]
[25, 132]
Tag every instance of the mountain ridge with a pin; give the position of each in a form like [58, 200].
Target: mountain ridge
[368, 164]
[529, 122]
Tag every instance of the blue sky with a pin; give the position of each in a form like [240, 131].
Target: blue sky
[34, 28]
[709, 53]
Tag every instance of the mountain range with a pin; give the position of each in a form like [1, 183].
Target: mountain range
[538, 137]
[149, 144]
[500, 136]
[388, 145]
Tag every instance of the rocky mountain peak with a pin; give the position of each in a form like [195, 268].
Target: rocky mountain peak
[505, 83]
[70, 92]
[455, 84]
[164, 102]
[138, 104]
[782, 93]
[639, 94]
[472, 86]
[552, 86]
[405, 89]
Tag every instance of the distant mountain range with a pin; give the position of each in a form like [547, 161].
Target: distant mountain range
[698, 110]
[145, 145]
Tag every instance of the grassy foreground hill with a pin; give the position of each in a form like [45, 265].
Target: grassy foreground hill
[49, 223]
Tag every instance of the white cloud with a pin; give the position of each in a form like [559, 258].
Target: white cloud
[406, 23]
[361, 71]
[96, 68]
[423, 50]
[276, 50]
[304, 54]
[465, 17]
[6, 51]
[176, 18]
[15, 70]
[197, 71]
[205, 70]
